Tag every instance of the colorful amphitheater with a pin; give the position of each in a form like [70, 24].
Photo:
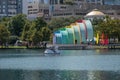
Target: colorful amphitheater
[76, 33]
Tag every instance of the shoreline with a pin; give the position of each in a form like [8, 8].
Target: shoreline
[65, 47]
[22, 47]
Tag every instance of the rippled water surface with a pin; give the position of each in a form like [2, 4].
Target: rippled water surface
[33, 64]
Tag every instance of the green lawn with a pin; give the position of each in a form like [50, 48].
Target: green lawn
[12, 47]
[21, 47]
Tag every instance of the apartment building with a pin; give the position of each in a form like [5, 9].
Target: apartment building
[33, 9]
[98, 2]
[51, 2]
[55, 8]
[67, 10]
[111, 2]
[10, 8]
[40, 8]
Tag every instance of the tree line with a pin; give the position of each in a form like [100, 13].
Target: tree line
[33, 32]
[108, 26]
[38, 30]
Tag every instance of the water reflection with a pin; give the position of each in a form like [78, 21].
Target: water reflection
[90, 52]
[108, 51]
[58, 75]
[23, 64]
[21, 51]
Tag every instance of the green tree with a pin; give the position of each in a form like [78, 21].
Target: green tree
[25, 32]
[5, 21]
[110, 27]
[46, 32]
[39, 23]
[57, 23]
[17, 23]
[36, 31]
[4, 34]
[28, 33]
[13, 39]
[37, 37]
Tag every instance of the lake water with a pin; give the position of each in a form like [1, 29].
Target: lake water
[32, 64]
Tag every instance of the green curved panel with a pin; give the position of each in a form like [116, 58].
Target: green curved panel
[58, 38]
[64, 36]
[77, 34]
[70, 36]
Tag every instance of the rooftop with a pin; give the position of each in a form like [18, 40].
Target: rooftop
[95, 12]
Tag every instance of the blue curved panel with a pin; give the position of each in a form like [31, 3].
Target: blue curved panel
[89, 30]
[57, 37]
[77, 34]
[83, 32]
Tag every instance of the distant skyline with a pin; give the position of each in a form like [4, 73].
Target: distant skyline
[110, 2]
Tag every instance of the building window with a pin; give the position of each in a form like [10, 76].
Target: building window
[93, 0]
[80, 13]
[3, 10]
[111, 13]
[118, 13]
[3, 2]
[30, 7]
[3, 6]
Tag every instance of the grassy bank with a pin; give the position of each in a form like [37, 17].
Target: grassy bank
[13, 47]
[37, 47]
[21, 47]
[104, 47]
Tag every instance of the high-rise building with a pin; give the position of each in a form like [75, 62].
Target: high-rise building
[111, 2]
[52, 2]
[98, 2]
[79, 2]
[42, 1]
[25, 7]
[101, 2]
[32, 9]
[95, 1]
[10, 7]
